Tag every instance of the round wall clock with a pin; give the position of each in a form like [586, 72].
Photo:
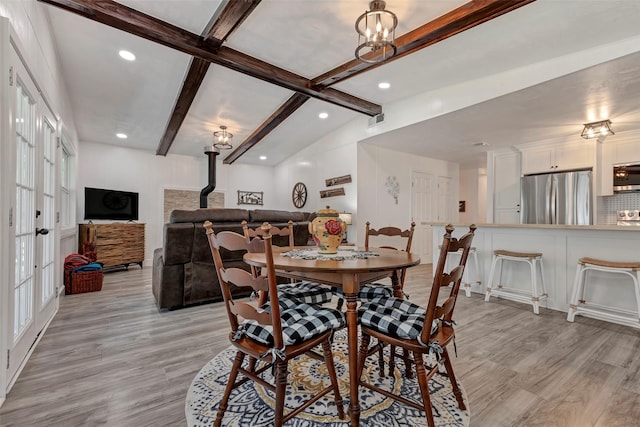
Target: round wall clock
[299, 195]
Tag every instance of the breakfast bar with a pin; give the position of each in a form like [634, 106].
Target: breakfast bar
[561, 247]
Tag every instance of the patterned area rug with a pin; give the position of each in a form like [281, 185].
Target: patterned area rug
[250, 405]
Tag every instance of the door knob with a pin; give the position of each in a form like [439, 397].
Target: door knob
[42, 231]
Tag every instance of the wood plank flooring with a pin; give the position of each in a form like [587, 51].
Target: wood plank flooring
[111, 358]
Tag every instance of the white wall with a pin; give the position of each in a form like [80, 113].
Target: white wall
[118, 168]
[332, 156]
[473, 190]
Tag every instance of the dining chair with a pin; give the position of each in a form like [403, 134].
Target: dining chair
[305, 291]
[421, 331]
[374, 291]
[371, 291]
[273, 333]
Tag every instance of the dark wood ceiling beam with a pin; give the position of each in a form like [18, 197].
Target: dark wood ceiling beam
[458, 20]
[226, 19]
[137, 23]
[281, 114]
[197, 70]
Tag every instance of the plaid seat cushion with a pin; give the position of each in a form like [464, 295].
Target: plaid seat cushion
[306, 292]
[369, 292]
[300, 322]
[395, 317]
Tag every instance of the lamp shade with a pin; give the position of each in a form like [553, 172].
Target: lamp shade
[346, 217]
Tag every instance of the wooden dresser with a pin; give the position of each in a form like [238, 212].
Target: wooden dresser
[117, 244]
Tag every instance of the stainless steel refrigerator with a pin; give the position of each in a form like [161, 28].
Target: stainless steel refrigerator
[557, 198]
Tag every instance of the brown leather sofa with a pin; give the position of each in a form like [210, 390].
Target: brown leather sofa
[183, 270]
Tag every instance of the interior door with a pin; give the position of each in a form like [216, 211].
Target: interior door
[422, 212]
[31, 298]
[46, 220]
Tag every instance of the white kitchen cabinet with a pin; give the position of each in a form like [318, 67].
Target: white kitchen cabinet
[627, 152]
[559, 157]
[506, 188]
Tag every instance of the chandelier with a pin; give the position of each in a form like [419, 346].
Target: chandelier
[376, 32]
[222, 139]
[596, 129]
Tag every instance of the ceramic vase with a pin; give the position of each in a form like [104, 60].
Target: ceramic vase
[327, 230]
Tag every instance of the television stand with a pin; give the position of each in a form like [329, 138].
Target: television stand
[115, 245]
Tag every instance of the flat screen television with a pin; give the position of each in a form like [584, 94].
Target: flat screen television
[100, 203]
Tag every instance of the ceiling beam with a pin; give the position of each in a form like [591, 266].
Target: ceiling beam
[197, 70]
[124, 18]
[281, 114]
[456, 21]
[229, 15]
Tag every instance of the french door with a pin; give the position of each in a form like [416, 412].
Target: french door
[32, 295]
[422, 212]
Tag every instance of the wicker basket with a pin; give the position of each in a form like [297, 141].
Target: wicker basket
[82, 281]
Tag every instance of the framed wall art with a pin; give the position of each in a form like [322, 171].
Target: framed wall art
[250, 197]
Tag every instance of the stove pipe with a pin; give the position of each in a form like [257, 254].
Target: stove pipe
[211, 152]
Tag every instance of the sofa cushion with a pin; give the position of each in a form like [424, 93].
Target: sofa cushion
[213, 214]
[273, 216]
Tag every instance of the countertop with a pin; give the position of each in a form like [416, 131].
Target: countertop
[547, 226]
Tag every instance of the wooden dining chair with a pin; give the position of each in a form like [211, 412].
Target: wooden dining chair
[370, 292]
[303, 291]
[419, 330]
[273, 333]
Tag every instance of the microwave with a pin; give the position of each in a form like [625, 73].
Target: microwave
[626, 178]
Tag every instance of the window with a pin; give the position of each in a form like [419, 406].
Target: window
[67, 199]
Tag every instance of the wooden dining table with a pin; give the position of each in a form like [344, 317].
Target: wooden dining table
[347, 274]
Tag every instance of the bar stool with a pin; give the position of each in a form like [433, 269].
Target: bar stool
[578, 305]
[466, 282]
[534, 260]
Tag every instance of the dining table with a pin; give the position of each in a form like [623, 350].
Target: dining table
[348, 269]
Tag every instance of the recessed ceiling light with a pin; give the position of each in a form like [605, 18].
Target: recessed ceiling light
[121, 135]
[323, 115]
[263, 157]
[384, 85]
[125, 54]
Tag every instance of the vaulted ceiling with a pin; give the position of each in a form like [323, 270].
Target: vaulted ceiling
[265, 69]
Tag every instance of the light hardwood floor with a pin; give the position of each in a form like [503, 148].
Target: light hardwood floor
[111, 358]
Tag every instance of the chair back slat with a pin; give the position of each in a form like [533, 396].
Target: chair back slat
[447, 279]
[234, 242]
[287, 231]
[240, 277]
[389, 232]
[250, 312]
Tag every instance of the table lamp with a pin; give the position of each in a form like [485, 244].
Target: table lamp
[346, 217]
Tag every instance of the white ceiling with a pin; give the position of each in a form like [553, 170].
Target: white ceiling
[109, 95]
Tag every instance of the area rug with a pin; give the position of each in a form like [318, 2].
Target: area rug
[251, 404]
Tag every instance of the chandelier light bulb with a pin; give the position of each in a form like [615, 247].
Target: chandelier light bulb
[376, 33]
[223, 138]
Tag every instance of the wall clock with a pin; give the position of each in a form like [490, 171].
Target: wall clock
[299, 195]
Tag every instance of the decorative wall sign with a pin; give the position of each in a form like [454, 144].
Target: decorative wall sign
[393, 188]
[332, 192]
[344, 179]
[299, 195]
[250, 197]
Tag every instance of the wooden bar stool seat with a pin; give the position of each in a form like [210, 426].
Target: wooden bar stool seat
[533, 297]
[579, 305]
